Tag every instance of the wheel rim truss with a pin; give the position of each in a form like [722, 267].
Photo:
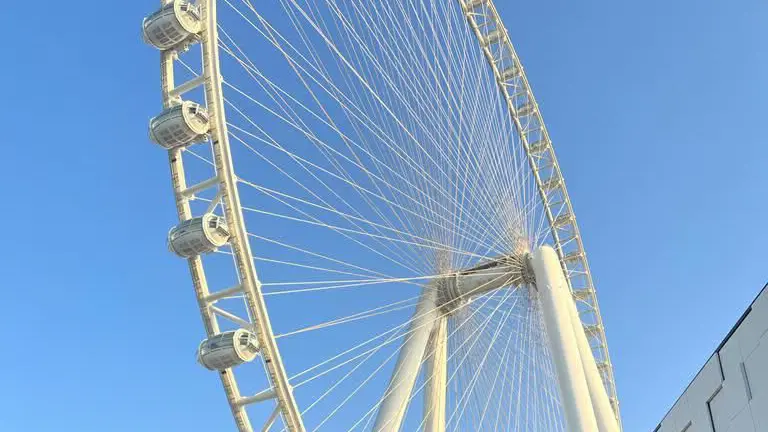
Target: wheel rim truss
[498, 50]
[225, 183]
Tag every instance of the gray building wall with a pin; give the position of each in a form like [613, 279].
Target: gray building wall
[730, 393]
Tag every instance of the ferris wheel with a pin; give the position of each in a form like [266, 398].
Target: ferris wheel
[386, 169]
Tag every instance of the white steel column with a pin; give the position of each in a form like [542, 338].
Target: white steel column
[555, 295]
[606, 419]
[436, 374]
[395, 399]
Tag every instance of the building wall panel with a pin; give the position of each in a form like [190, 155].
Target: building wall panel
[730, 393]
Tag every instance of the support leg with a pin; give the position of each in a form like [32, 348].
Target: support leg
[553, 291]
[606, 419]
[437, 376]
[395, 399]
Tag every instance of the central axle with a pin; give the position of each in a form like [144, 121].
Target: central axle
[457, 288]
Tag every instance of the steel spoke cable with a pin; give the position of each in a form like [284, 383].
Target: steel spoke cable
[352, 318]
[389, 331]
[347, 141]
[327, 172]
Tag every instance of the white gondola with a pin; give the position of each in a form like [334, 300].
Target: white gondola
[172, 25]
[179, 125]
[228, 349]
[198, 235]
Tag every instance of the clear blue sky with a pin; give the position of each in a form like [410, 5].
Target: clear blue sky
[657, 110]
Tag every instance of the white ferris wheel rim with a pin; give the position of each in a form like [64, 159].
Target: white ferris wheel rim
[561, 220]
